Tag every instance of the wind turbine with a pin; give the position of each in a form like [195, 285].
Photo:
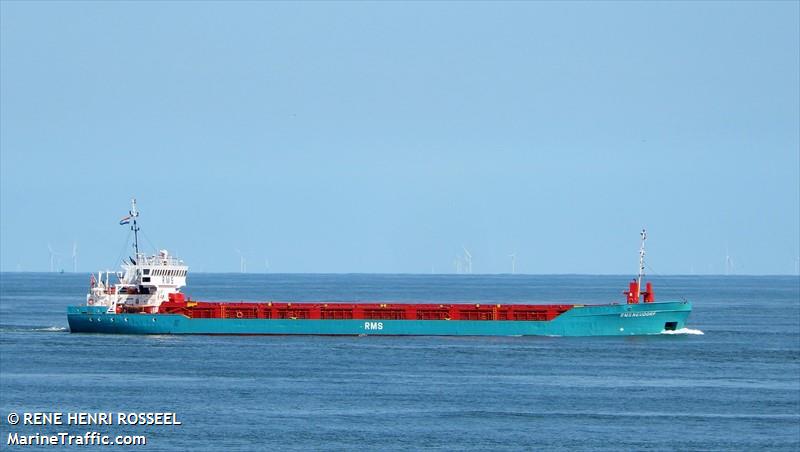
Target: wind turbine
[74, 257]
[53, 255]
[457, 264]
[242, 262]
[467, 259]
[728, 262]
[513, 257]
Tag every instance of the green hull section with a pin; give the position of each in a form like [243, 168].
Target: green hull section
[602, 320]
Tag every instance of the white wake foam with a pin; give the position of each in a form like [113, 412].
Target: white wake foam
[51, 329]
[682, 331]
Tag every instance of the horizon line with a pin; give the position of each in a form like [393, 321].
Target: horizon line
[421, 274]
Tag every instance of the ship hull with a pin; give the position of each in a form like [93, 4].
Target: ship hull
[599, 320]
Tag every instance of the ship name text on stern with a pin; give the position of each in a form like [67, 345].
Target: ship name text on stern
[638, 314]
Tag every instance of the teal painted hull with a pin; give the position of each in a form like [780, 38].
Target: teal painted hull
[602, 320]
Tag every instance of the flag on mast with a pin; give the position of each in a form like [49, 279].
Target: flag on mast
[125, 220]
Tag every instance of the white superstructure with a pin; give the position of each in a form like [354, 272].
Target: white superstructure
[145, 282]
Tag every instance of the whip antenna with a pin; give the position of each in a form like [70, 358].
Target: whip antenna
[641, 263]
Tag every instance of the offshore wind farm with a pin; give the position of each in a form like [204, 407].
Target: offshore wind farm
[462, 263]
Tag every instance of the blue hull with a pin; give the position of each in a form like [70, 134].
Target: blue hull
[602, 320]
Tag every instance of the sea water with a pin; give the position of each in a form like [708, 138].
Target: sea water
[729, 382]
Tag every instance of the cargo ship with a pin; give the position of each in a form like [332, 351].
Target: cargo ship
[146, 298]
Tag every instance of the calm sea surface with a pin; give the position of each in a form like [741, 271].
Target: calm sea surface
[735, 387]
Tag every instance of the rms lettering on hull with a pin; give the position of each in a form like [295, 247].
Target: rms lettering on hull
[373, 326]
[638, 314]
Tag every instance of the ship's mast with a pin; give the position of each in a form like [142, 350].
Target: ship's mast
[135, 213]
[641, 264]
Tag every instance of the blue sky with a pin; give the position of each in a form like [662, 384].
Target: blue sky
[381, 137]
